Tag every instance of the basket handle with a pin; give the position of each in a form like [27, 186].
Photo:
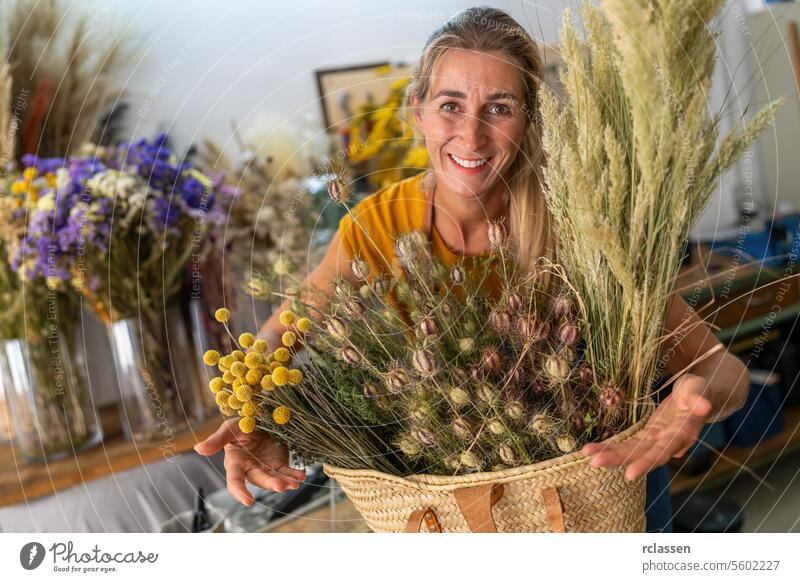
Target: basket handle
[553, 510]
[476, 503]
[426, 516]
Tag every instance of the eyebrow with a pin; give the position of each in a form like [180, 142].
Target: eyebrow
[493, 97]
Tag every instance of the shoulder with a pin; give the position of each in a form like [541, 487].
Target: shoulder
[397, 207]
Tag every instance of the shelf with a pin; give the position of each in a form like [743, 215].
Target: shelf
[24, 482]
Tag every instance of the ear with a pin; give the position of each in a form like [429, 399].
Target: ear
[416, 112]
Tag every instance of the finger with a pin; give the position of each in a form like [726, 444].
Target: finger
[236, 486]
[698, 406]
[655, 457]
[621, 453]
[227, 432]
[292, 476]
[265, 480]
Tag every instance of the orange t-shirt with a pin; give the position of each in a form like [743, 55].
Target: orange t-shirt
[395, 209]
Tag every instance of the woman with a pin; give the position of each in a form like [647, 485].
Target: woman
[473, 99]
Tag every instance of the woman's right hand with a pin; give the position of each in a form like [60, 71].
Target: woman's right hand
[254, 456]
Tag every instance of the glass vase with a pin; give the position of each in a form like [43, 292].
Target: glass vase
[157, 375]
[47, 398]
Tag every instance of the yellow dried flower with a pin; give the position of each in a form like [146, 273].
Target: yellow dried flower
[234, 402]
[249, 409]
[253, 377]
[247, 424]
[243, 392]
[280, 376]
[222, 315]
[304, 324]
[238, 369]
[274, 366]
[227, 410]
[295, 376]
[282, 355]
[281, 415]
[238, 355]
[227, 361]
[29, 173]
[267, 384]
[246, 339]
[228, 377]
[289, 338]
[222, 398]
[260, 346]
[253, 360]
[286, 317]
[216, 384]
[211, 358]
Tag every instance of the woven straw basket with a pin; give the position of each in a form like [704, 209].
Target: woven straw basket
[563, 494]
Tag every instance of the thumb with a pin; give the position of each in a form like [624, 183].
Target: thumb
[697, 405]
[227, 432]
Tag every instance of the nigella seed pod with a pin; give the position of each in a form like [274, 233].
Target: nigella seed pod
[396, 379]
[496, 426]
[350, 355]
[410, 446]
[610, 396]
[343, 289]
[466, 344]
[463, 428]
[338, 328]
[424, 362]
[540, 424]
[477, 373]
[541, 332]
[568, 333]
[338, 191]
[420, 410]
[470, 459]
[487, 393]
[360, 268]
[497, 233]
[578, 421]
[515, 410]
[409, 246]
[506, 452]
[585, 374]
[527, 327]
[460, 377]
[556, 367]
[515, 376]
[561, 305]
[354, 307]
[446, 310]
[538, 386]
[569, 354]
[515, 302]
[381, 286]
[457, 275]
[566, 443]
[458, 396]
[490, 359]
[427, 327]
[500, 467]
[500, 320]
[370, 390]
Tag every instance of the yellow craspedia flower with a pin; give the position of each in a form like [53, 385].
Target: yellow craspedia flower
[216, 384]
[286, 317]
[280, 376]
[260, 346]
[253, 360]
[304, 324]
[282, 355]
[222, 398]
[271, 357]
[253, 377]
[246, 339]
[295, 376]
[51, 179]
[222, 315]
[228, 377]
[238, 369]
[274, 366]
[267, 383]
[226, 361]
[234, 402]
[243, 392]
[236, 383]
[249, 409]
[281, 415]
[237, 355]
[247, 424]
[29, 173]
[211, 358]
[289, 338]
[227, 410]
[19, 187]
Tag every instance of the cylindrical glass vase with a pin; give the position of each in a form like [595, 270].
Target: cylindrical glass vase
[47, 398]
[157, 375]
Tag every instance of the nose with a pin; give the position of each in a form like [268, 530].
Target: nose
[473, 133]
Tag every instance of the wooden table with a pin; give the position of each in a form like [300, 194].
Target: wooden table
[20, 481]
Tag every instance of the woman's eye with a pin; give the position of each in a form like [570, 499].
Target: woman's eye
[499, 109]
[450, 107]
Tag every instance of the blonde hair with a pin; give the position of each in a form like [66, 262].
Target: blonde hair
[485, 29]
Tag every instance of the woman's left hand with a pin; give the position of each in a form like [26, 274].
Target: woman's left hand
[673, 427]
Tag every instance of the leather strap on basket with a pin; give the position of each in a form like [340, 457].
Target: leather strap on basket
[423, 516]
[476, 504]
[553, 510]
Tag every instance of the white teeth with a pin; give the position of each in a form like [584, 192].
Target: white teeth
[468, 163]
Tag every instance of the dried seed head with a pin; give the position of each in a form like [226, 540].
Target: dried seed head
[527, 327]
[466, 344]
[566, 443]
[556, 367]
[424, 362]
[487, 393]
[458, 396]
[338, 191]
[343, 288]
[515, 410]
[381, 285]
[610, 396]
[463, 428]
[427, 327]
[490, 358]
[354, 307]
[497, 233]
[419, 409]
[562, 305]
[500, 320]
[409, 247]
[568, 332]
[470, 460]
[496, 426]
[350, 355]
[360, 268]
[338, 328]
[569, 354]
[585, 373]
[370, 390]
[410, 446]
[578, 420]
[457, 275]
[500, 467]
[396, 379]
[541, 424]
[506, 452]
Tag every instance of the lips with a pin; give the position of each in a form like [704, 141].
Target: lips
[469, 165]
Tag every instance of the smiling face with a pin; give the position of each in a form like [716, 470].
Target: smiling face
[473, 120]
